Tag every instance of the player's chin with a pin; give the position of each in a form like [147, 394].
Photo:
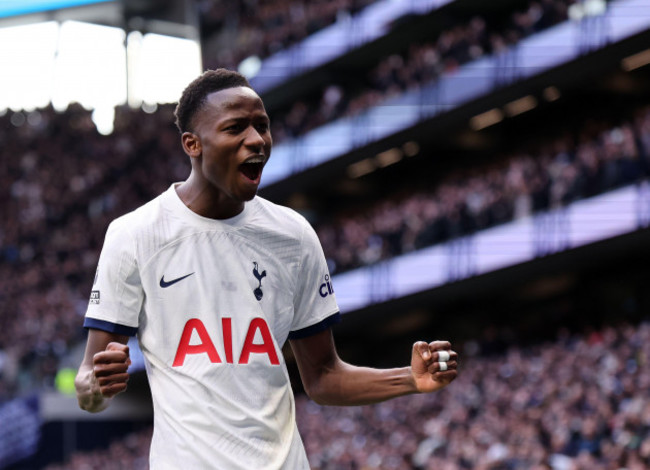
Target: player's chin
[246, 194]
[247, 188]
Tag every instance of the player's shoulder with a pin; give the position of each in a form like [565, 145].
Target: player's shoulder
[139, 220]
[282, 217]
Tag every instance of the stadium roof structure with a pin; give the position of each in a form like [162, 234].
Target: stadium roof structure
[165, 17]
[23, 7]
[492, 82]
[353, 43]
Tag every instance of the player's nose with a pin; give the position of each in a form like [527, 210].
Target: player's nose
[254, 139]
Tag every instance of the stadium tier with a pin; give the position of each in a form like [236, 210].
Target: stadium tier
[528, 408]
[504, 75]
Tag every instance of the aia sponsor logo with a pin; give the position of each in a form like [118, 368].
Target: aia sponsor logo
[206, 345]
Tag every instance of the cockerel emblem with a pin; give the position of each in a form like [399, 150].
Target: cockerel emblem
[259, 276]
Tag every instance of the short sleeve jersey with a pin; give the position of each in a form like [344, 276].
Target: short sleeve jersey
[212, 303]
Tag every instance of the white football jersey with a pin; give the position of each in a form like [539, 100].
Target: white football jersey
[212, 302]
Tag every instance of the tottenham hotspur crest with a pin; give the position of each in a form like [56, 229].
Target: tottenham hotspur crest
[258, 290]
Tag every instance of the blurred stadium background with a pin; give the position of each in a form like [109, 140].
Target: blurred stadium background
[476, 171]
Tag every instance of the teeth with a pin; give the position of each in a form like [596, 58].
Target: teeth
[259, 159]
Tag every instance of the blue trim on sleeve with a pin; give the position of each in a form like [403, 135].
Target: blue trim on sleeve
[317, 328]
[110, 327]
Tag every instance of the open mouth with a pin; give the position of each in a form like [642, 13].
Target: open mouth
[252, 169]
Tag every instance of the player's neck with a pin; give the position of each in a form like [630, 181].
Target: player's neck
[203, 200]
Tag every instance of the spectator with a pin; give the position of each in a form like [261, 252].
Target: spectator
[523, 408]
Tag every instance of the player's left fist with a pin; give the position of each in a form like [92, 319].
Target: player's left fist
[433, 365]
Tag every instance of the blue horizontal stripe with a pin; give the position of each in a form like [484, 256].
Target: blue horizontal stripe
[317, 328]
[110, 327]
[22, 7]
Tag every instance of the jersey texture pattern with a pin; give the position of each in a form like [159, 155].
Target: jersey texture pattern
[212, 303]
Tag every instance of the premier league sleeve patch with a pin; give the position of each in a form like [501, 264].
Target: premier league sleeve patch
[94, 297]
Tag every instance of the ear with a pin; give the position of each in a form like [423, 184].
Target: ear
[191, 144]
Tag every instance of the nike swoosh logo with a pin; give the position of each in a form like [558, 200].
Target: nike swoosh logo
[164, 283]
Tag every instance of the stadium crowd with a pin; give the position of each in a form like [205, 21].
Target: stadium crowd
[600, 156]
[420, 64]
[61, 189]
[523, 408]
[233, 30]
[61, 184]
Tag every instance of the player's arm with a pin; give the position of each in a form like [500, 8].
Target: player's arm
[330, 381]
[103, 371]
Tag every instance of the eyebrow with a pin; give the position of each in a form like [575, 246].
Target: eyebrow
[264, 117]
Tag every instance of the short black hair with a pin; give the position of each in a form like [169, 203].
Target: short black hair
[195, 94]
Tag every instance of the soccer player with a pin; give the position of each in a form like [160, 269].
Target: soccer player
[213, 280]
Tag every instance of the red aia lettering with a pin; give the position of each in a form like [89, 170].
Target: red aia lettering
[207, 346]
[185, 348]
[226, 326]
[265, 347]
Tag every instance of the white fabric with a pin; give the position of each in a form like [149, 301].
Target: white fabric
[211, 411]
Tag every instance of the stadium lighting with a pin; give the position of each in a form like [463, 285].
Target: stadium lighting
[90, 66]
[165, 65]
[579, 11]
[104, 118]
[636, 61]
[27, 65]
[149, 108]
[521, 105]
[361, 168]
[250, 66]
[389, 157]
[486, 119]
[595, 7]
[411, 148]
[551, 93]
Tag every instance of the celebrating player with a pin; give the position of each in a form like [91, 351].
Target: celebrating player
[213, 280]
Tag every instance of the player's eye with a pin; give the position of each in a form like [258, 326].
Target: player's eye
[262, 127]
[235, 128]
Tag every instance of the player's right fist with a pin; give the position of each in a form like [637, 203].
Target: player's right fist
[110, 369]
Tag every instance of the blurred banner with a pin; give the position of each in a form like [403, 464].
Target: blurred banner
[614, 213]
[20, 430]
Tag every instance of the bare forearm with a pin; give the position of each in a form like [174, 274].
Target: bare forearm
[330, 381]
[348, 385]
